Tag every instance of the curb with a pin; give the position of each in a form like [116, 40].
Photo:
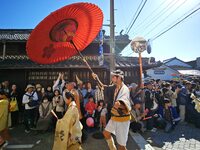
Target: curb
[140, 141]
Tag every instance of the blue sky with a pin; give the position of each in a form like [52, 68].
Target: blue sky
[183, 41]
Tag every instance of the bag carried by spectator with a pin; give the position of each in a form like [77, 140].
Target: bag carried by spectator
[32, 102]
[13, 104]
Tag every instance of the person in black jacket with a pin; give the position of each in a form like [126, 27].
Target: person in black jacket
[14, 98]
[149, 104]
[49, 93]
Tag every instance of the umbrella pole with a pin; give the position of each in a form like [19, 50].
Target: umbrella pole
[97, 79]
[82, 56]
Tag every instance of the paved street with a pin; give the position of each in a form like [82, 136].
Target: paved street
[184, 137]
[44, 141]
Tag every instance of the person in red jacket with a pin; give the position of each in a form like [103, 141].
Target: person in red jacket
[90, 106]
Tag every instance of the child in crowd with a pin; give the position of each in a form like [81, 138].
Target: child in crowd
[100, 115]
[90, 106]
[103, 117]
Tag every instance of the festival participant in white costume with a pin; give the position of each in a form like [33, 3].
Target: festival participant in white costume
[120, 113]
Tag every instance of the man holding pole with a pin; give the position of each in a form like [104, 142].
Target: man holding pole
[120, 113]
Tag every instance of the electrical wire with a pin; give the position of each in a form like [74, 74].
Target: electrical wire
[130, 53]
[149, 16]
[172, 26]
[181, 19]
[155, 18]
[163, 20]
[136, 16]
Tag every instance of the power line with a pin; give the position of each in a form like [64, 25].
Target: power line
[122, 6]
[130, 53]
[157, 16]
[185, 16]
[161, 33]
[149, 16]
[165, 18]
[136, 17]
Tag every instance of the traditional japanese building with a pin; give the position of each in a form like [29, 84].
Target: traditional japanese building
[174, 69]
[16, 67]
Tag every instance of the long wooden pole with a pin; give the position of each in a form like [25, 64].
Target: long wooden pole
[112, 36]
[141, 72]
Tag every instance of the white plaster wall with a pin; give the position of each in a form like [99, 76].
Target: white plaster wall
[166, 76]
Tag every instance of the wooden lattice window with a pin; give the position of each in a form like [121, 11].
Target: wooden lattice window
[46, 75]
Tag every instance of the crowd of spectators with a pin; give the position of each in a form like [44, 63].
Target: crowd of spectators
[159, 104]
[164, 104]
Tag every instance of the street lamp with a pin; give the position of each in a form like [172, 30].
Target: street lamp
[138, 45]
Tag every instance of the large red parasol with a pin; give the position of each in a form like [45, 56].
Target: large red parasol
[64, 33]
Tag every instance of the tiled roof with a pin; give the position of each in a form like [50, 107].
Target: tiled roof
[192, 63]
[22, 61]
[15, 57]
[168, 60]
[132, 61]
[15, 34]
[23, 35]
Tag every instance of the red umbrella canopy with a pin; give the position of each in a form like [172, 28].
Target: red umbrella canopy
[49, 42]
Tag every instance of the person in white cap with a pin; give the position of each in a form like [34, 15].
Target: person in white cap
[120, 113]
[30, 100]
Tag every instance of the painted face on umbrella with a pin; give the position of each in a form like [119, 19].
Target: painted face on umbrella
[59, 35]
[64, 31]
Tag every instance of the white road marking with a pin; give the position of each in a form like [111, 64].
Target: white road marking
[20, 146]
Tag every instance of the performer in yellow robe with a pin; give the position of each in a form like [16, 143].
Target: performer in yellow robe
[68, 129]
[3, 118]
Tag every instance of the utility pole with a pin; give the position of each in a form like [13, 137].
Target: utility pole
[112, 36]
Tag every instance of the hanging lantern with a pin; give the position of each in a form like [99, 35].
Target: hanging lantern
[138, 44]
